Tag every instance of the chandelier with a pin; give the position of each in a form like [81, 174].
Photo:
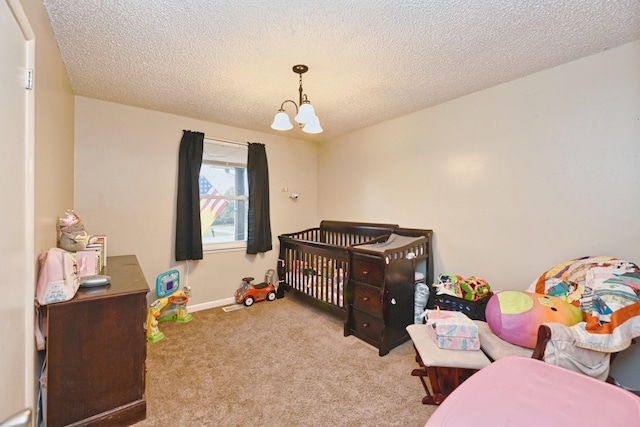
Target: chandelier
[305, 114]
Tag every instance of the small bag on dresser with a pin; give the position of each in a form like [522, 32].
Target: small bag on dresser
[58, 278]
[58, 281]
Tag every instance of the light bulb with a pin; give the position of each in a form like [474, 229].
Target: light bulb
[306, 114]
[313, 126]
[281, 121]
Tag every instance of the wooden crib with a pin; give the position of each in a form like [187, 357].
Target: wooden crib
[317, 265]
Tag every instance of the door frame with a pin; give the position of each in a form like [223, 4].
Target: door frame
[27, 277]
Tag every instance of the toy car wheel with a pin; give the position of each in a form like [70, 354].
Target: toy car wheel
[271, 296]
[248, 301]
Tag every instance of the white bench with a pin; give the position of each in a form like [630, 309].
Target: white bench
[445, 369]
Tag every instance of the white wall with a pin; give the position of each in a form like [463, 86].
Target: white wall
[54, 139]
[126, 174]
[53, 157]
[513, 179]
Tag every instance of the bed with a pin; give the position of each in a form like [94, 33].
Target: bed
[316, 265]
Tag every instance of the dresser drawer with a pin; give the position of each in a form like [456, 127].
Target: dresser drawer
[367, 328]
[367, 298]
[371, 272]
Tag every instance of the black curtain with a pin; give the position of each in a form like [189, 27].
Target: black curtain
[188, 235]
[259, 225]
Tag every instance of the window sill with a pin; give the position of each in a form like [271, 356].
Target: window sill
[224, 247]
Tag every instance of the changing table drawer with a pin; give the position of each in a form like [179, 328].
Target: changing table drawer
[367, 328]
[367, 298]
[367, 271]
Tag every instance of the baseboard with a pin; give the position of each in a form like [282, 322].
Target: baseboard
[211, 304]
[124, 415]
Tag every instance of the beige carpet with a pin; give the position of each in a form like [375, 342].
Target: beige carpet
[278, 363]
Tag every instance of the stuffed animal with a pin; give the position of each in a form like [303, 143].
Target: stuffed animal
[449, 284]
[515, 316]
[73, 237]
[474, 288]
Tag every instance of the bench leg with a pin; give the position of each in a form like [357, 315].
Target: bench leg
[432, 375]
[442, 380]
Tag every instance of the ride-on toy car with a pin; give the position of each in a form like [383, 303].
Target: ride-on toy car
[249, 293]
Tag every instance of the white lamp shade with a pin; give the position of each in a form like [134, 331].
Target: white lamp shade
[281, 121]
[306, 114]
[313, 126]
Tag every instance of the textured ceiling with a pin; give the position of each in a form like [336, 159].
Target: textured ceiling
[229, 61]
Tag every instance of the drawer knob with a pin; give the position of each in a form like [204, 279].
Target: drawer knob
[365, 325]
[365, 272]
[365, 298]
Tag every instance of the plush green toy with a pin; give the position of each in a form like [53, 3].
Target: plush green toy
[474, 288]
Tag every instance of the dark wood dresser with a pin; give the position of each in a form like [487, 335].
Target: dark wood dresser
[381, 287]
[96, 351]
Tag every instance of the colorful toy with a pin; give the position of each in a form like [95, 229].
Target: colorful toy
[249, 293]
[515, 316]
[474, 288]
[449, 284]
[169, 293]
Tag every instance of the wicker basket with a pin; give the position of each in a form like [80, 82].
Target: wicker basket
[473, 309]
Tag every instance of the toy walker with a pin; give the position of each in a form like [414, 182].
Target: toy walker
[169, 293]
[249, 293]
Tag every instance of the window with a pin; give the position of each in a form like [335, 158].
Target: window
[224, 196]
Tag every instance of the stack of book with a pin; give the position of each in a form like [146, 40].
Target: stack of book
[93, 258]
